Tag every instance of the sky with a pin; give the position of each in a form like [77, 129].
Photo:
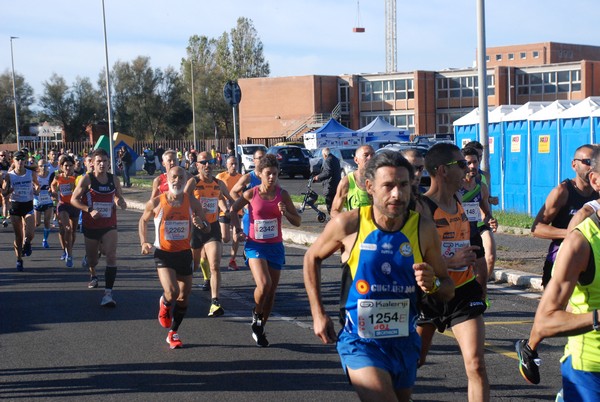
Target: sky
[301, 37]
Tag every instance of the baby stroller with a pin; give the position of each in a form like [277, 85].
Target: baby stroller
[310, 200]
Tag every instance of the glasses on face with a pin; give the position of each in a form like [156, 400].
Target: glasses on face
[461, 163]
[419, 168]
[586, 162]
[206, 162]
[20, 158]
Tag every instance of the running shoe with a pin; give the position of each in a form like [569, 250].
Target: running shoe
[108, 301]
[84, 262]
[93, 282]
[27, 248]
[206, 285]
[258, 330]
[5, 222]
[215, 309]
[45, 243]
[63, 256]
[173, 340]
[529, 362]
[232, 265]
[69, 262]
[164, 314]
[20, 265]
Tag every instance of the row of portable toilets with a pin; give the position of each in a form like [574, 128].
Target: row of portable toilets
[531, 147]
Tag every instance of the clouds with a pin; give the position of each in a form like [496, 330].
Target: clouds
[300, 37]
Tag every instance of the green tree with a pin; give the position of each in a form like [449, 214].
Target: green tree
[248, 60]
[25, 99]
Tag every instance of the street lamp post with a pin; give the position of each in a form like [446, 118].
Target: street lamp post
[108, 104]
[193, 103]
[12, 60]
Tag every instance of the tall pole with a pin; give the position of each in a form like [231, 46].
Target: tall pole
[12, 60]
[193, 103]
[481, 69]
[108, 104]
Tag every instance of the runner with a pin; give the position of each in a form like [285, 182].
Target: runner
[267, 204]
[351, 192]
[42, 202]
[160, 183]
[96, 195]
[62, 187]
[212, 194]
[21, 183]
[5, 164]
[173, 213]
[388, 254]
[230, 177]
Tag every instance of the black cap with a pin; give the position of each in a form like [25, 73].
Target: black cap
[19, 154]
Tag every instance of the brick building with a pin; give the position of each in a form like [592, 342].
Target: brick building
[424, 102]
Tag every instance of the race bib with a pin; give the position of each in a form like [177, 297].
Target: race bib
[65, 189]
[22, 192]
[472, 211]
[386, 318]
[209, 204]
[176, 230]
[265, 229]
[44, 197]
[104, 209]
[449, 249]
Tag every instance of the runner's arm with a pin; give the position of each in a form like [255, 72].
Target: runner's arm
[432, 258]
[541, 226]
[143, 225]
[579, 217]
[120, 201]
[81, 188]
[340, 196]
[290, 211]
[238, 188]
[155, 187]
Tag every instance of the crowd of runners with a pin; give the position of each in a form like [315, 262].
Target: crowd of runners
[414, 260]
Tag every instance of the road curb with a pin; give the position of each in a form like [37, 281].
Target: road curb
[501, 275]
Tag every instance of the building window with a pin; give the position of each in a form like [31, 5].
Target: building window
[404, 89]
[536, 54]
[442, 87]
[390, 90]
[462, 87]
[523, 55]
[498, 57]
[549, 82]
[511, 56]
[487, 58]
[365, 91]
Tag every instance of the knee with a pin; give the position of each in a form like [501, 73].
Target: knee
[475, 368]
[172, 293]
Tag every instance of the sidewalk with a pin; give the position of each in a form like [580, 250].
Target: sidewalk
[136, 198]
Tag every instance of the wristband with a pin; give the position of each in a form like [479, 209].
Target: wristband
[436, 285]
[595, 320]
[90, 209]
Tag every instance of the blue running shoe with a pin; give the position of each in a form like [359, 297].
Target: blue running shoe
[20, 265]
[45, 243]
[63, 256]
[69, 262]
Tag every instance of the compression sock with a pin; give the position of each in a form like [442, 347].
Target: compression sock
[110, 275]
[205, 267]
[46, 233]
[178, 314]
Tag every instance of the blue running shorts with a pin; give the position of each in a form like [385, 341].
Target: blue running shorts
[397, 356]
[579, 385]
[274, 253]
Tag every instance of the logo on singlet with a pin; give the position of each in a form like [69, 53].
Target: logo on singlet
[406, 249]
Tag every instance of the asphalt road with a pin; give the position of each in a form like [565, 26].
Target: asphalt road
[58, 343]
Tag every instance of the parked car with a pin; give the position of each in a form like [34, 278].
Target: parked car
[292, 161]
[425, 179]
[245, 154]
[344, 154]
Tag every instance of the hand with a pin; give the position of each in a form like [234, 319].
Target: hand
[323, 328]
[240, 235]
[122, 204]
[465, 256]
[315, 178]
[95, 214]
[146, 248]
[424, 275]
[493, 224]
[282, 208]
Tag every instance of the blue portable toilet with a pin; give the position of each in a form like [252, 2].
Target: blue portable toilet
[466, 128]
[595, 136]
[496, 149]
[576, 129]
[517, 153]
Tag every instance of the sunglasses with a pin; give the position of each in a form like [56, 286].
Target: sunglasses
[419, 168]
[462, 163]
[587, 162]
[206, 162]
[20, 158]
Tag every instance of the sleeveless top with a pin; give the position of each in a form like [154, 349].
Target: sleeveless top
[208, 194]
[66, 185]
[356, 197]
[574, 203]
[173, 225]
[265, 218]
[102, 198]
[254, 181]
[22, 186]
[379, 289]
[43, 198]
[229, 181]
[584, 349]
[454, 231]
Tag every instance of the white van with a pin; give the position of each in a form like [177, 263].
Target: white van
[245, 154]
